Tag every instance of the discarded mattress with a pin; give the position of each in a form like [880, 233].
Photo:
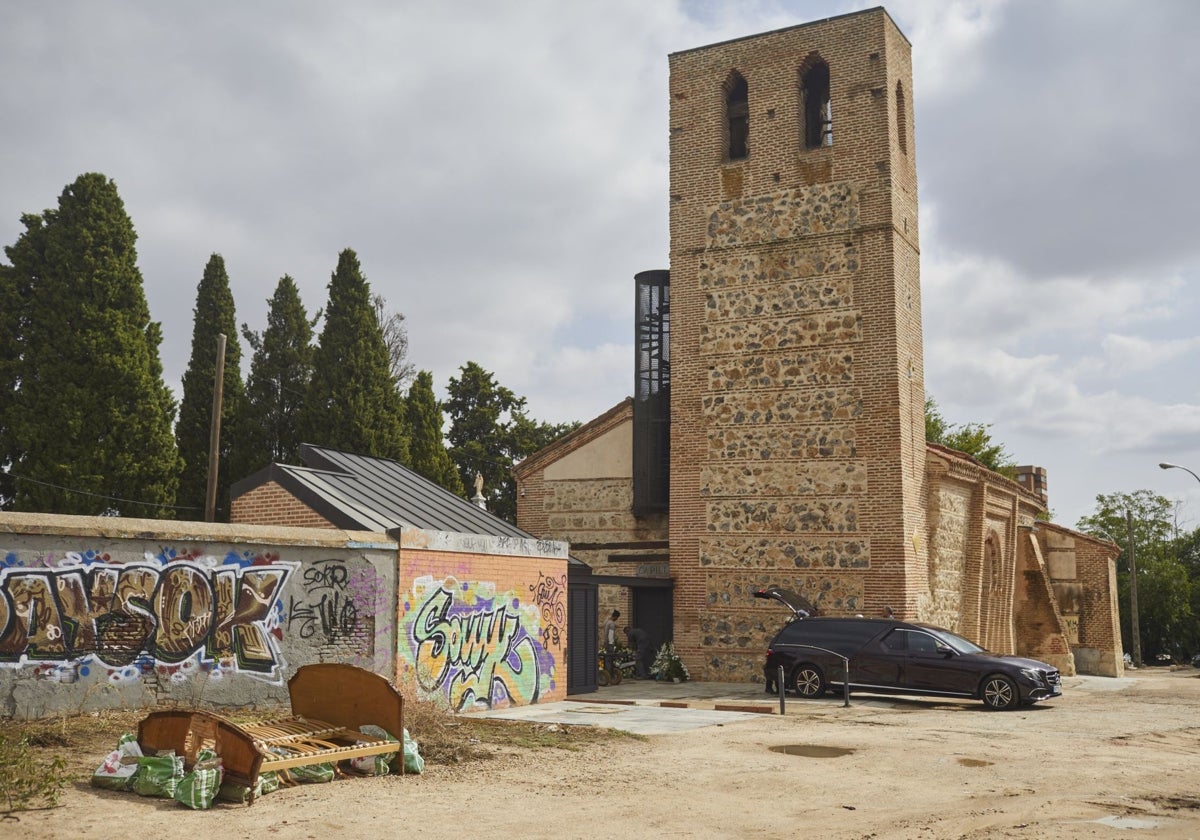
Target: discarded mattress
[329, 703]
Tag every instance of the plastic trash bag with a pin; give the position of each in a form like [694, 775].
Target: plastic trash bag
[413, 763]
[120, 766]
[158, 775]
[198, 788]
[374, 765]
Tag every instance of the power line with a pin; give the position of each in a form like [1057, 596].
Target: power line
[102, 495]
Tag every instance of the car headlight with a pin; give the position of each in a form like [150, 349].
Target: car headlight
[1033, 675]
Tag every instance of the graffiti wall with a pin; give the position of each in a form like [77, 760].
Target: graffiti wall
[483, 631]
[91, 620]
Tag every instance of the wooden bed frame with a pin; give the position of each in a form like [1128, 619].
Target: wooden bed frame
[329, 703]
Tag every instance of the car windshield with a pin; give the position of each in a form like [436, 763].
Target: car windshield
[955, 641]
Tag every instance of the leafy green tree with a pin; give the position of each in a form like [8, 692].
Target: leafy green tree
[975, 439]
[213, 315]
[1165, 588]
[489, 432]
[87, 426]
[428, 448]
[11, 308]
[279, 374]
[352, 402]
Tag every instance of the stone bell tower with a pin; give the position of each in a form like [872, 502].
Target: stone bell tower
[797, 383]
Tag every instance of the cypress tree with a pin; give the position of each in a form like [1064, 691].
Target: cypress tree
[88, 423]
[429, 455]
[213, 315]
[279, 375]
[352, 402]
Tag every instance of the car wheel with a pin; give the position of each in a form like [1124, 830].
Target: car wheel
[808, 681]
[1000, 693]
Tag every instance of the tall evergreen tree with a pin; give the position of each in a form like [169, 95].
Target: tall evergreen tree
[213, 315]
[428, 448]
[87, 426]
[11, 307]
[352, 402]
[489, 432]
[279, 375]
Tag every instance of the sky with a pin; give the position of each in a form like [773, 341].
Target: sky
[501, 171]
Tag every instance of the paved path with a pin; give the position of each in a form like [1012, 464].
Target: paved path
[648, 707]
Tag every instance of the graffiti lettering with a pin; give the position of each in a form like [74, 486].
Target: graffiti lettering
[549, 594]
[472, 653]
[119, 613]
[328, 606]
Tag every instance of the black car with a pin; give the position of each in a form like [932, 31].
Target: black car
[887, 656]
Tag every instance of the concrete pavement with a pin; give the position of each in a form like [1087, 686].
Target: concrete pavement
[649, 707]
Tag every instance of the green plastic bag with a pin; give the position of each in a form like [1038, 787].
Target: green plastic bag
[236, 792]
[158, 775]
[374, 765]
[413, 763]
[199, 788]
[309, 773]
[269, 781]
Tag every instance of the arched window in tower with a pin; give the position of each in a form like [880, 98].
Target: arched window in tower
[815, 104]
[737, 117]
[901, 118]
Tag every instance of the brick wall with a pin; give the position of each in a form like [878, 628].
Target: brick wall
[271, 504]
[797, 448]
[481, 629]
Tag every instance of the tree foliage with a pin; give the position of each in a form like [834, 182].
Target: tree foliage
[280, 371]
[1166, 581]
[213, 315]
[352, 402]
[975, 439]
[395, 336]
[428, 448]
[489, 432]
[87, 418]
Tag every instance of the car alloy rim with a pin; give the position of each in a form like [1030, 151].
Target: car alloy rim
[807, 682]
[998, 692]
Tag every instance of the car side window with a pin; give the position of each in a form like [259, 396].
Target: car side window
[922, 643]
[895, 641]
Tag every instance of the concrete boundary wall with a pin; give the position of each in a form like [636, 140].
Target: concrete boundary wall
[102, 612]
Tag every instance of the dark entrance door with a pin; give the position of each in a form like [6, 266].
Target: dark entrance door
[652, 612]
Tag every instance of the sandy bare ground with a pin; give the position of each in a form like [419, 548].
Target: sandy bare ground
[1111, 758]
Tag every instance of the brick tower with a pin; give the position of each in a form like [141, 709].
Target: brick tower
[797, 379]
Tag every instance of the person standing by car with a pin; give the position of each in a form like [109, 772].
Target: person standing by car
[640, 642]
[610, 642]
[887, 612]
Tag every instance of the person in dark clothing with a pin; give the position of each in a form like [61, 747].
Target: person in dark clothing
[640, 642]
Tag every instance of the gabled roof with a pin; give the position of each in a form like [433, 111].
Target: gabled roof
[357, 492]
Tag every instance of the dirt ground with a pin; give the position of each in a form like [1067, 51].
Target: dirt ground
[1110, 758]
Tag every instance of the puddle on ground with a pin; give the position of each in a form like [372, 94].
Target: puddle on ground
[974, 762]
[1127, 822]
[812, 750]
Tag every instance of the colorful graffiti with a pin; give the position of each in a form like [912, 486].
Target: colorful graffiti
[181, 612]
[476, 646]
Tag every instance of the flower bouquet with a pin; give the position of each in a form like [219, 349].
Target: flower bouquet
[668, 666]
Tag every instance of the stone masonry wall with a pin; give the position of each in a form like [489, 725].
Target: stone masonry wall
[797, 448]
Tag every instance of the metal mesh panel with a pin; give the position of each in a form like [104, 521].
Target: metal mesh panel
[652, 393]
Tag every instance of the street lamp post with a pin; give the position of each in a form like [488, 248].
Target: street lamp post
[1133, 599]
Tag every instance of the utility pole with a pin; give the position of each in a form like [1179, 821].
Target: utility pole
[214, 433]
[1133, 601]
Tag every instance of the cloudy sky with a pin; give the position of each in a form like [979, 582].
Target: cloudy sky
[501, 170]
